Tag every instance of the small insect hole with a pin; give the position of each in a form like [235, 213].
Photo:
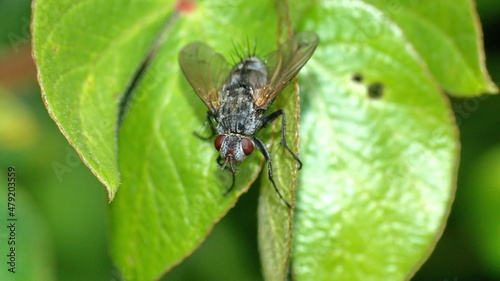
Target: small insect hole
[357, 77]
[375, 90]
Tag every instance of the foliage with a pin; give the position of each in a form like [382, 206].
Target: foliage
[378, 142]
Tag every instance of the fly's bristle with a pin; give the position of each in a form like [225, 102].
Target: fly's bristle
[237, 51]
[248, 48]
[254, 53]
[251, 51]
[243, 52]
[232, 58]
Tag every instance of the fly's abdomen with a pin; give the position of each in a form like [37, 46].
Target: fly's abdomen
[238, 124]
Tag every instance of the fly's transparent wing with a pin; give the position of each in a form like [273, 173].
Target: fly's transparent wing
[284, 64]
[206, 71]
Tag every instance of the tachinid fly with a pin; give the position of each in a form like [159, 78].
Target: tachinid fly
[238, 98]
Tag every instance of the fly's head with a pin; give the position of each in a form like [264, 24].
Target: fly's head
[233, 149]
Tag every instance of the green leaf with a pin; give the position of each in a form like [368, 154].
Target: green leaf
[275, 220]
[447, 35]
[378, 144]
[379, 147]
[85, 59]
[172, 189]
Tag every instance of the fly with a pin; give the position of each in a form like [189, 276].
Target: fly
[237, 98]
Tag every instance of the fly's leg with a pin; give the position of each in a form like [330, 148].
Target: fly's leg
[262, 148]
[220, 161]
[213, 131]
[269, 119]
[232, 184]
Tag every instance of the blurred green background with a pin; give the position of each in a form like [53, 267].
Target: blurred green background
[62, 208]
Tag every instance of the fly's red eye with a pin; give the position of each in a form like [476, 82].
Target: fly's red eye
[247, 146]
[218, 141]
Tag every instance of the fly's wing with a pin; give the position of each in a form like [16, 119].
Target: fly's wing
[206, 71]
[284, 64]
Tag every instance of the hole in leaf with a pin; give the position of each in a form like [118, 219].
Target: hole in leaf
[375, 90]
[357, 77]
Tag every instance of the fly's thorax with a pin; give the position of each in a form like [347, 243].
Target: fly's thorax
[234, 148]
[251, 72]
